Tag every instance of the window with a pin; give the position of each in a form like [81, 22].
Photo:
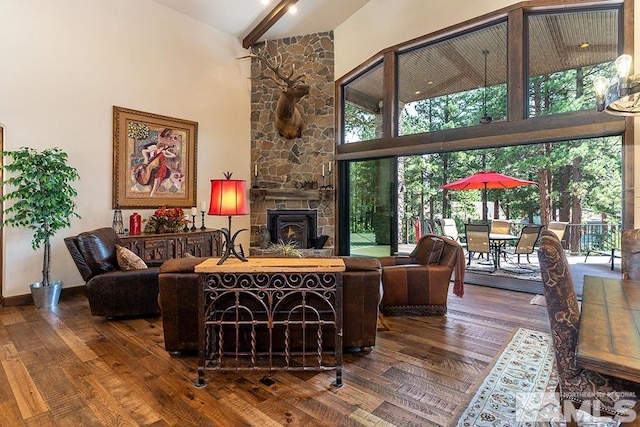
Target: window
[567, 51]
[443, 85]
[371, 207]
[363, 106]
[541, 60]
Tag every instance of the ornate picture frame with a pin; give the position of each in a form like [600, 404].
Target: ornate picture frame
[154, 160]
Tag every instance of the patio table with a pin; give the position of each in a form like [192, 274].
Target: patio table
[498, 241]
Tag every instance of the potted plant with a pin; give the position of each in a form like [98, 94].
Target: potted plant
[286, 249]
[41, 198]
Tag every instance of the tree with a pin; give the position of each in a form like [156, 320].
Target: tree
[42, 195]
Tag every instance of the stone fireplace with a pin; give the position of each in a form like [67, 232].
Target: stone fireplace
[289, 225]
[295, 174]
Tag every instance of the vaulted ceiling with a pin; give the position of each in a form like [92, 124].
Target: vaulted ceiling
[239, 17]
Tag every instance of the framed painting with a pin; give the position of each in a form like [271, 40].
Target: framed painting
[154, 160]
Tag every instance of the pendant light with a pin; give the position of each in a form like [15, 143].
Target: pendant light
[485, 118]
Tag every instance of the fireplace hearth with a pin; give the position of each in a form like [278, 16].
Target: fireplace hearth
[289, 225]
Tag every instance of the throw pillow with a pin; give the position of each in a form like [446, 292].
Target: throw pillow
[127, 260]
[436, 251]
[187, 255]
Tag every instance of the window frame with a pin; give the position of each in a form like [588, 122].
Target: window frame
[518, 127]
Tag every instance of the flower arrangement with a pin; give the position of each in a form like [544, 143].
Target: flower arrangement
[165, 220]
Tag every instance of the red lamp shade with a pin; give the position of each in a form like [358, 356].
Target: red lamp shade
[228, 197]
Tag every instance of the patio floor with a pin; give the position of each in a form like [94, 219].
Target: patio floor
[596, 265]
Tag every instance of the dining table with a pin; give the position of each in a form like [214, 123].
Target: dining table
[609, 333]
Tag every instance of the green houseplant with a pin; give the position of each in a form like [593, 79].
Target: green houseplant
[41, 198]
[286, 249]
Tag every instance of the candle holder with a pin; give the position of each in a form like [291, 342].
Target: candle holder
[193, 222]
[118, 225]
[202, 227]
[186, 223]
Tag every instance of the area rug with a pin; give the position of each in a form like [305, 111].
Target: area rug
[518, 388]
[538, 300]
[529, 272]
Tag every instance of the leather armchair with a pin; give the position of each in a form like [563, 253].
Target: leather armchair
[112, 292]
[419, 283]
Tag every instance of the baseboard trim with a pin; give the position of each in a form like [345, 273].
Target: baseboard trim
[27, 300]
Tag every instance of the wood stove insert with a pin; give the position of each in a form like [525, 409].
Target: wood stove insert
[292, 225]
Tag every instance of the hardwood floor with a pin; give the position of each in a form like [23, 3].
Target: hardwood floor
[64, 367]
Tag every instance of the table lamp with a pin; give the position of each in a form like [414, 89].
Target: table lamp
[229, 198]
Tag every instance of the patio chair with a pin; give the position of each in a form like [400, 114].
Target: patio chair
[500, 226]
[525, 244]
[449, 229]
[605, 247]
[478, 240]
[575, 383]
[558, 228]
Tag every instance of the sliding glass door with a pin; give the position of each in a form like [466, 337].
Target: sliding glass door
[367, 216]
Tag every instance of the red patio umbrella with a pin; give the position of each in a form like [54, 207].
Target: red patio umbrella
[487, 180]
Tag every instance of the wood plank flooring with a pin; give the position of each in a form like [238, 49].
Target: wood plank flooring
[64, 367]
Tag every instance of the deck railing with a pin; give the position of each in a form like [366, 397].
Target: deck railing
[578, 238]
[600, 237]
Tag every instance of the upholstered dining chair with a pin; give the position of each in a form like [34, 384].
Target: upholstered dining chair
[477, 236]
[630, 253]
[526, 242]
[576, 385]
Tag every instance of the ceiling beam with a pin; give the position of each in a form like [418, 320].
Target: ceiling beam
[268, 21]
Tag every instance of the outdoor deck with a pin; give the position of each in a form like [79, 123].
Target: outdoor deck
[597, 265]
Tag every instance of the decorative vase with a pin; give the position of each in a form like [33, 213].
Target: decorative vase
[167, 228]
[135, 223]
[264, 237]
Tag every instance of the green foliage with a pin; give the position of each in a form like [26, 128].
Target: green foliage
[453, 111]
[40, 195]
[361, 124]
[585, 176]
[287, 249]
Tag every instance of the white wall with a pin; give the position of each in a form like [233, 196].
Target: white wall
[66, 63]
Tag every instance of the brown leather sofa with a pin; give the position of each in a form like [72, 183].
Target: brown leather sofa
[418, 284]
[112, 292]
[178, 300]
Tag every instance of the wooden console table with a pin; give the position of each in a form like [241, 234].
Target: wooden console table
[270, 313]
[164, 246]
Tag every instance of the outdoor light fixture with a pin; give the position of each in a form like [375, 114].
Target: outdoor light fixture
[229, 198]
[620, 95]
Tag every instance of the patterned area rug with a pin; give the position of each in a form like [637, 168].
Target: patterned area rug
[538, 300]
[514, 391]
[529, 272]
[519, 389]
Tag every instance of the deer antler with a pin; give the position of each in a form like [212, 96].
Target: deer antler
[289, 80]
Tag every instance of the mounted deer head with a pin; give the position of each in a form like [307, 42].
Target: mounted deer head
[289, 118]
